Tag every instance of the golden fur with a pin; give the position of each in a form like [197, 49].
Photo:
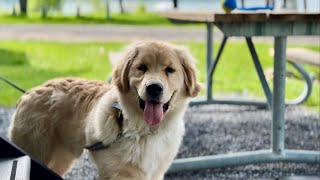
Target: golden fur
[54, 122]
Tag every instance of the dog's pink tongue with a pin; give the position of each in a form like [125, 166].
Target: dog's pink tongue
[153, 113]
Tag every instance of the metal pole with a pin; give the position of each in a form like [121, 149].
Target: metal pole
[244, 158]
[214, 63]
[259, 69]
[209, 59]
[278, 105]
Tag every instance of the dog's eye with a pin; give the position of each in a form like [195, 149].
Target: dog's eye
[169, 70]
[142, 67]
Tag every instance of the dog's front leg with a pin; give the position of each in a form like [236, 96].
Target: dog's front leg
[126, 172]
[163, 167]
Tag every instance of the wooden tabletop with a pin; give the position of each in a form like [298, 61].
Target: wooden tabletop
[237, 16]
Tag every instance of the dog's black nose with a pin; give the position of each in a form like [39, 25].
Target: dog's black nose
[154, 90]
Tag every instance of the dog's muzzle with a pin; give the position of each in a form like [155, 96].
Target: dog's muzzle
[154, 91]
[153, 109]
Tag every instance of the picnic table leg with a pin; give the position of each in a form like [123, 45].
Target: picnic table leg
[209, 59]
[259, 69]
[214, 63]
[278, 105]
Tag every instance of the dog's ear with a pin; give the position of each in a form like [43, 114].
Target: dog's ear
[190, 73]
[120, 75]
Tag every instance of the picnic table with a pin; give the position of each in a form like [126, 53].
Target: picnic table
[248, 24]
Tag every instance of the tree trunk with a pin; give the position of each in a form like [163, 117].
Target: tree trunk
[284, 3]
[121, 7]
[23, 7]
[175, 4]
[78, 12]
[14, 11]
[43, 12]
[107, 10]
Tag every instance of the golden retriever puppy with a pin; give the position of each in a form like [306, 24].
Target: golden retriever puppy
[56, 121]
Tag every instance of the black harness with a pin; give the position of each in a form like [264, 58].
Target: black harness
[99, 145]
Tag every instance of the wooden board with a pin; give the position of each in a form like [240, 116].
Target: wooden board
[239, 16]
[270, 28]
[301, 55]
[187, 16]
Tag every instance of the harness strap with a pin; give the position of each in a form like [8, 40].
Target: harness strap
[99, 145]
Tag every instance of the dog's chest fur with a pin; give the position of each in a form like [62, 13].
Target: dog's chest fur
[149, 150]
[140, 148]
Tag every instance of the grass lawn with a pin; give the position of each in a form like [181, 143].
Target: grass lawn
[128, 19]
[30, 63]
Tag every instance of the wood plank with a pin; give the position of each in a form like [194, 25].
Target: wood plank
[239, 16]
[302, 55]
[269, 28]
[276, 16]
[189, 16]
[249, 16]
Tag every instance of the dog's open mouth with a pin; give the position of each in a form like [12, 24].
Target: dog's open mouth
[153, 111]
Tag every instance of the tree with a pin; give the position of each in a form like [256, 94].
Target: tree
[107, 10]
[121, 6]
[23, 6]
[47, 5]
[175, 4]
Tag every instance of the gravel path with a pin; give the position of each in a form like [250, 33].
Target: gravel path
[102, 33]
[215, 129]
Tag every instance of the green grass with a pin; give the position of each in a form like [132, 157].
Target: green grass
[99, 18]
[30, 63]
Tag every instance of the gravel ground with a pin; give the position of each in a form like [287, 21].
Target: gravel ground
[215, 129]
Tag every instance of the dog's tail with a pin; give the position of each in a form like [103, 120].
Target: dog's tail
[12, 84]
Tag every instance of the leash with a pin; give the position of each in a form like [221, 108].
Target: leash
[12, 84]
[99, 145]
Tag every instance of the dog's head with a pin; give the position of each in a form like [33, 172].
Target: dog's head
[154, 74]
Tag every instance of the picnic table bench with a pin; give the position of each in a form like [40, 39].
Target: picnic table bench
[304, 56]
[248, 24]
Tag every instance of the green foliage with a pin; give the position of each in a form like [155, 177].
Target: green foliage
[98, 5]
[141, 8]
[47, 4]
